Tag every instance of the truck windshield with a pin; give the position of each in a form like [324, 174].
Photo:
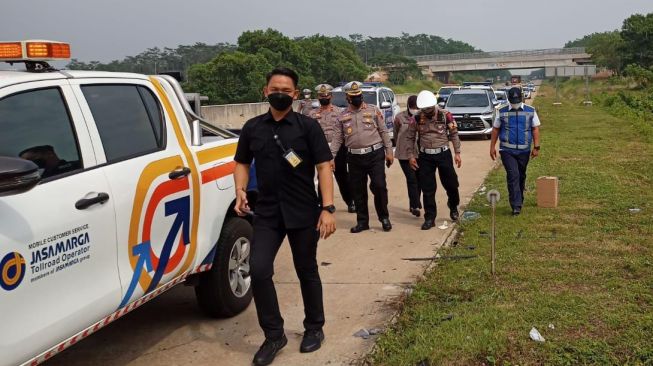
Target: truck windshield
[468, 100]
[339, 99]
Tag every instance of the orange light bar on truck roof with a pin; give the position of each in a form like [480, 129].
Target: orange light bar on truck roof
[11, 50]
[34, 50]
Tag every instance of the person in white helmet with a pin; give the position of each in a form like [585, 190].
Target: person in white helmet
[436, 128]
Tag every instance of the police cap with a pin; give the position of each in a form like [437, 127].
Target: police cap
[514, 95]
[323, 89]
[353, 88]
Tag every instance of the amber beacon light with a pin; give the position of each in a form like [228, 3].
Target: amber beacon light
[34, 50]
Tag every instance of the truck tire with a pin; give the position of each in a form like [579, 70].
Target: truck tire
[226, 290]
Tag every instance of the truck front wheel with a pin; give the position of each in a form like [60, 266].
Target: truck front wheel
[226, 290]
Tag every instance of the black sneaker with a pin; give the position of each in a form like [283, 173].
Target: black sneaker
[454, 214]
[516, 211]
[312, 341]
[268, 351]
[415, 211]
[428, 224]
[351, 208]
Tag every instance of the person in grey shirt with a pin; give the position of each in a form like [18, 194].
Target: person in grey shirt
[401, 125]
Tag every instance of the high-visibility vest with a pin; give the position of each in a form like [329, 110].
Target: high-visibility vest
[516, 131]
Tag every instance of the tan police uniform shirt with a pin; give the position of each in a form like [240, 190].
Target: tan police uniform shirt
[305, 106]
[361, 128]
[327, 118]
[401, 124]
[434, 133]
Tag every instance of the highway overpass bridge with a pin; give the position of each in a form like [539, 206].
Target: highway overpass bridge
[441, 66]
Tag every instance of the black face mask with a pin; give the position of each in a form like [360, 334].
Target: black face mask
[324, 101]
[356, 100]
[280, 101]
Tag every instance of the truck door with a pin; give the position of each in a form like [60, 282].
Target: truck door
[58, 240]
[153, 176]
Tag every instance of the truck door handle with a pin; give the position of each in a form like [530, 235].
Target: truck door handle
[179, 173]
[85, 203]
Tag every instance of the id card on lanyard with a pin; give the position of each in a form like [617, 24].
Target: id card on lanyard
[288, 154]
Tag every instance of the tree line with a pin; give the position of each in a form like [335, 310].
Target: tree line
[628, 50]
[235, 73]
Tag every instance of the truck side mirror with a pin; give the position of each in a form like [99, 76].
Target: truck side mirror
[17, 175]
[441, 104]
[385, 105]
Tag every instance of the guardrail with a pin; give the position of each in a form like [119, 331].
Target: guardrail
[498, 54]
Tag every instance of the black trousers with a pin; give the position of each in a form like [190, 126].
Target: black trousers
[412, 184]
[360, 167]
[515, 165]
[265, 245]
[428, 164]
[342, 177]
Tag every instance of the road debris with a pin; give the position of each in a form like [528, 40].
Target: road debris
[470, 215]
[536, 336]
[444, 226]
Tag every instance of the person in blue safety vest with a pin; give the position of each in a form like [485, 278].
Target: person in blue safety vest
[517, 129]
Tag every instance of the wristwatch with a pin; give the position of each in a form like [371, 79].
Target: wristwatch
[536, 147]
[330, 208]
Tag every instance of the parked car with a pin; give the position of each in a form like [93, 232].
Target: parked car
[473, 111]
[502, 97]
[443, 93]
[375, 94]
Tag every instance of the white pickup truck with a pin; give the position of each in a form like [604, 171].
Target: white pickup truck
[112, 190]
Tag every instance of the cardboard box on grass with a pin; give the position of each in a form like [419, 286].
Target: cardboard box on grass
[547, 192]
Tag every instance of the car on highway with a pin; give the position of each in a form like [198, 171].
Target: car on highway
[473, 110]
[112, 191]
[502, 97]
[443, 93]
[375, 94]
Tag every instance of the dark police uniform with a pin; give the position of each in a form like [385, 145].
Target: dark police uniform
[287, 204]
[434, 154]
[366, 137]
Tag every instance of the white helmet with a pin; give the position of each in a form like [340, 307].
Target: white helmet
[426, 99]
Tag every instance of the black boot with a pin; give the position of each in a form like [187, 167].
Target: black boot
[359, 227]
[454, 214]
[385, 223]
[269, 350]
[428, 224]
[312, 341]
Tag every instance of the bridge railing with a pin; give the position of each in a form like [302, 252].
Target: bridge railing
[499, 54]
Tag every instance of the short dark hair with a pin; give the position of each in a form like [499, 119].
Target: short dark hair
[285, 72]
[412, 101]
[38, 149]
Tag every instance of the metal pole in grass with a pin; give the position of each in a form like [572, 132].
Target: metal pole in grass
[493, 197]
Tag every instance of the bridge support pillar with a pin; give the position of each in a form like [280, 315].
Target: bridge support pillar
[442, 76]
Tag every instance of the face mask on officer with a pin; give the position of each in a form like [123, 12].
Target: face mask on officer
[324, 101]
[280, 101]
[356, 100]
[413, 111]
[428, 112]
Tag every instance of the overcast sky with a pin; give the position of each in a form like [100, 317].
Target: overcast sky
[112, 29]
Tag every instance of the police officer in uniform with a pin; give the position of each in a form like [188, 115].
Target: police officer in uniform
[326, 115]
[435, 127]
[362, 130]
[401, 124]
[288, 147]
[517, 128]
[306, 104]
